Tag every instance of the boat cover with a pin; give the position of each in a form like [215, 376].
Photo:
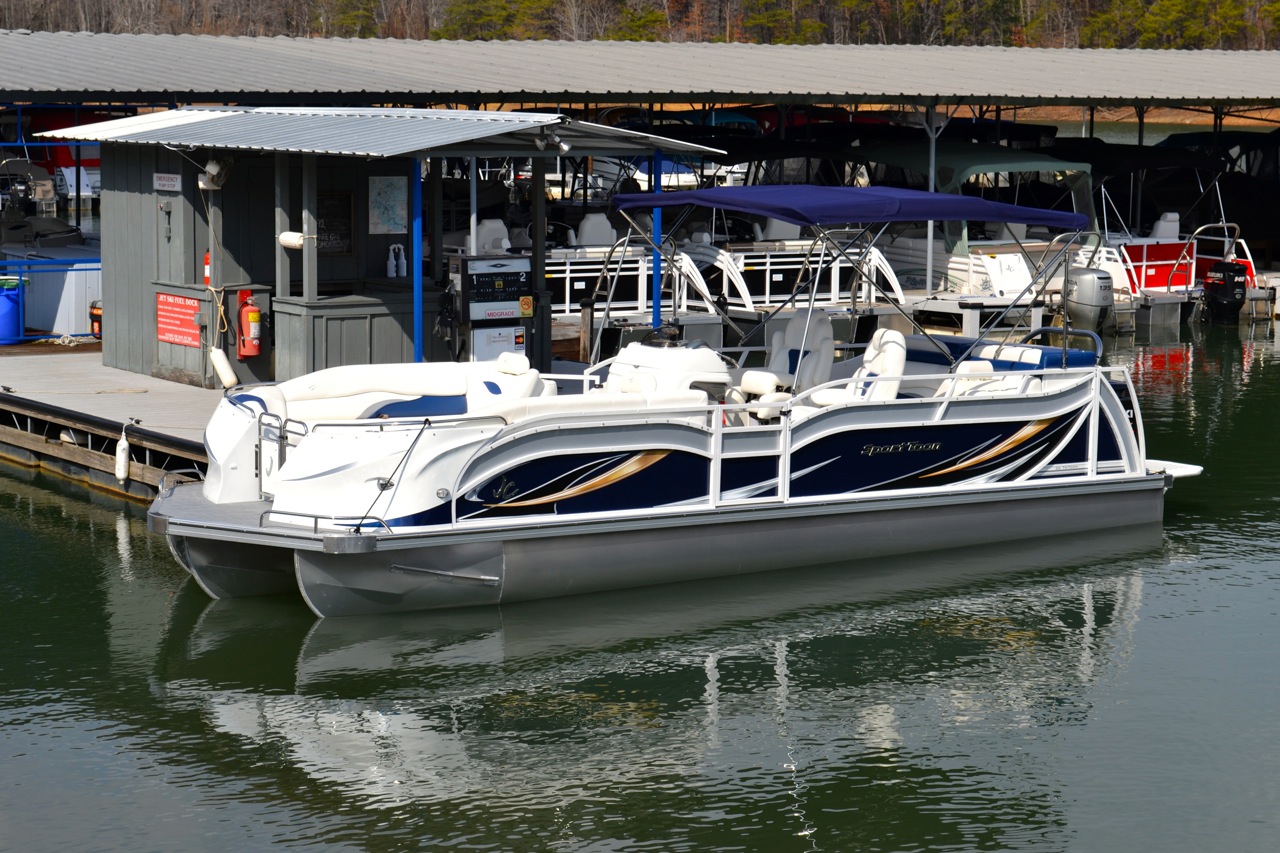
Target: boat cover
[805, 204]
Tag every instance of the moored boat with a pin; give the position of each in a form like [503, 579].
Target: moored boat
[382, 488]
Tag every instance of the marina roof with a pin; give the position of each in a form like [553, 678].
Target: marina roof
[370, 132]
[177, 69]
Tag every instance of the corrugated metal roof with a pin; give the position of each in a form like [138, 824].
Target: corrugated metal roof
[188, 69]
[366, 132]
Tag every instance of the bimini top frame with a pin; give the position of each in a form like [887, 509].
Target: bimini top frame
[824, 207]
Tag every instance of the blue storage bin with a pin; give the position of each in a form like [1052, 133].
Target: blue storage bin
[11, 330]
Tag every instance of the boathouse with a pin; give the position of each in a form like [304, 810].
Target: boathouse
[293, 239]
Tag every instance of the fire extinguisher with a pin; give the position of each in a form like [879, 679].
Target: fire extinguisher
[250, 323]
[206, 269]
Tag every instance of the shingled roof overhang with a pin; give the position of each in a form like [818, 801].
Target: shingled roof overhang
[186, 69]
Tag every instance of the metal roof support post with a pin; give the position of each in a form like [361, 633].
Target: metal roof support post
[79, 170]
[472, 220]
[929, 116]
[655, 307]
[282, 222]
[538, 230]
[415, 243]
[310, 255]
[435, 217]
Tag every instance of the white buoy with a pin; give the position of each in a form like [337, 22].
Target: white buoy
[122, 458]
[222, 367]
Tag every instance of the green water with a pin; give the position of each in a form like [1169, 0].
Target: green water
[1114, 692]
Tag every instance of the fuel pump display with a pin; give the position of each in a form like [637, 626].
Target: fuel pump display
[496, 306]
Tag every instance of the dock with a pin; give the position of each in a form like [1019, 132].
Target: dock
[63, 411]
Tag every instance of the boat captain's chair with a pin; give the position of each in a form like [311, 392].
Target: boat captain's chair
[595, 229]
[491, 237]
[800, 356]
[877, 378]
[775, 229]
[1167, 226]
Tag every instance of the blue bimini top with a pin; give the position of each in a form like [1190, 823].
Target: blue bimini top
[806, 204]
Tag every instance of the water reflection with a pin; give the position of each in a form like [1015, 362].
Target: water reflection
[785, 700]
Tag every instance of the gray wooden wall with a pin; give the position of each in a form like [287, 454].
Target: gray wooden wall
[154, 242]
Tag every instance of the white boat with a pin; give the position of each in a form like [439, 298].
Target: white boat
[383, 488]
[992, 262]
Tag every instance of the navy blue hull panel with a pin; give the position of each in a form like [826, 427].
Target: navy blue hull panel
[590, 482]
[907, 457]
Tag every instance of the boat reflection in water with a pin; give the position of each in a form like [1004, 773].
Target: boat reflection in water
[562, 701]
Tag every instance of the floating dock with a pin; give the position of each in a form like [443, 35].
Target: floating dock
[63, 411]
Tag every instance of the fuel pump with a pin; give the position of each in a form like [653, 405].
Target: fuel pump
[495, 307]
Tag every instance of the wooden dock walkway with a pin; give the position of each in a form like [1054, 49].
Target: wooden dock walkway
[64, 411]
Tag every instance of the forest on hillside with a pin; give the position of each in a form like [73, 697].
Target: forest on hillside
[1161, 24]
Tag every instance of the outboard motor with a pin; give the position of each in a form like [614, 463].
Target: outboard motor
[1088, 298]
[1223, 291]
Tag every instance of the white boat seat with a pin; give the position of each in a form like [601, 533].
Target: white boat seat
[356, 391]
[1011, 356]
[975, 378]
[630, 383]
[491, 236]
[595, 229]
[968, 375]
[755, 383]
[430, 389]
[1167, 226]
[775, 229]
[767, 407]
[509, 375]
[807, 345]
[512, 362]
[877, 378]
[514, 410]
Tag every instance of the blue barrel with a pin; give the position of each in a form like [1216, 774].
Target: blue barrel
[11, 331]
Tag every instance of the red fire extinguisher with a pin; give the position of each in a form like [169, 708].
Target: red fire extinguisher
[206, 269]
[250, 323]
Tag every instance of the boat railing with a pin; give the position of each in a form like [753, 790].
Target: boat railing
[1233, 248]
[350, 523]
[409, 424]
[764, 429]
[1152, 267]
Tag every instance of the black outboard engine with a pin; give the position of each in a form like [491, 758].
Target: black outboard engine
[1224, 291]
